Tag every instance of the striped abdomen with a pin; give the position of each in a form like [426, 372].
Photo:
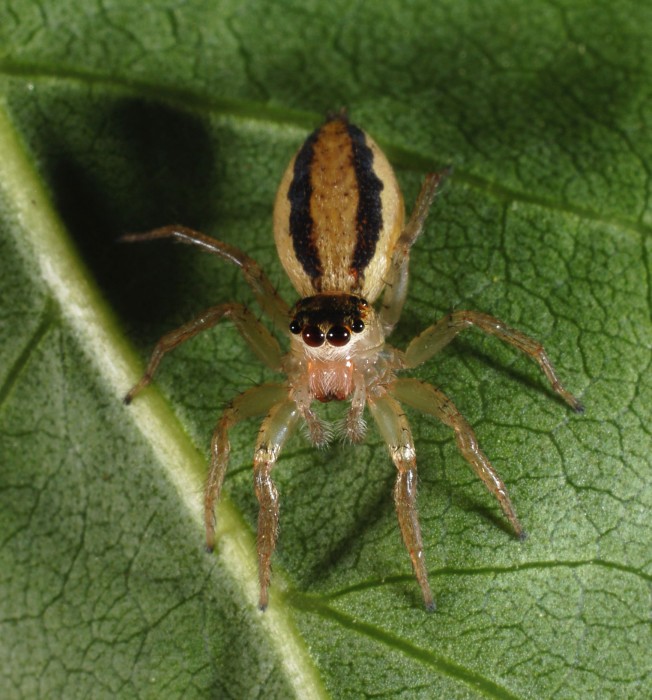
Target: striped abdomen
[338, 213]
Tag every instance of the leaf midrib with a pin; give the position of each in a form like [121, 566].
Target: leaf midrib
[83, 308]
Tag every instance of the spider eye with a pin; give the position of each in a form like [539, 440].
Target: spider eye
[313, 336]
[357, 326]
[338, 336]
[295, 327]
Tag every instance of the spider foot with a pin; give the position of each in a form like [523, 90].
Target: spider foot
[319, 432]
[351, 428]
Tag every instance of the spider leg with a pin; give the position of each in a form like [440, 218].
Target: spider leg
[254, 402]
[264, 291]
[426, 398]
[395, 430]
[397, 277]
[259, 339]
[433, 339]
[278, 425]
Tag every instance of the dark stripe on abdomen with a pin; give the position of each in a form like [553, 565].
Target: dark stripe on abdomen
[370, 214]
[301, 224]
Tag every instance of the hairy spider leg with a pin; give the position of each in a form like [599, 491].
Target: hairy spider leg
[281, 421]
[427, 399]
[266, 295]
[434, 338]
[259, 339]
[253, 402]
[395, 430]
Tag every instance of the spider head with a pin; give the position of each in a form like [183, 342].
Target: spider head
[334, 326]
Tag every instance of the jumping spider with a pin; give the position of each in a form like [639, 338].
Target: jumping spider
[340, 234]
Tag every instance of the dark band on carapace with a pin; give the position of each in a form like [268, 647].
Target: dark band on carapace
[370, 213]
[301, 224]
[329, 310]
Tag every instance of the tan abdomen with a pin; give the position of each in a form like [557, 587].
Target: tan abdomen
[338, 213]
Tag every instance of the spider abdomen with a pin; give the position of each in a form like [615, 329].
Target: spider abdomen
[338, 213]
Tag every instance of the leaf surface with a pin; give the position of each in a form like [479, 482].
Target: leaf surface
[119, 118]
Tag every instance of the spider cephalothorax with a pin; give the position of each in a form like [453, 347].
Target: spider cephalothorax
[340, 234]
[334, 334]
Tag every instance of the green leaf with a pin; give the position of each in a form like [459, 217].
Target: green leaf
[120, 117]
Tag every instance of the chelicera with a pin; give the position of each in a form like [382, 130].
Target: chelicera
[341, 237]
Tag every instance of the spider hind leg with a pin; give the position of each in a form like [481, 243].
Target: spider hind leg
[426, 398]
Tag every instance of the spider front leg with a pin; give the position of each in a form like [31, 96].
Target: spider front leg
[426, 398]
[259, 339]
[264, 291]
[433, 339]
[254, 402]
[279, 424]
[395, 430]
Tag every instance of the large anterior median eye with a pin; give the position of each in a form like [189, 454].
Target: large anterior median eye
[338, 336]
[313, 336]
